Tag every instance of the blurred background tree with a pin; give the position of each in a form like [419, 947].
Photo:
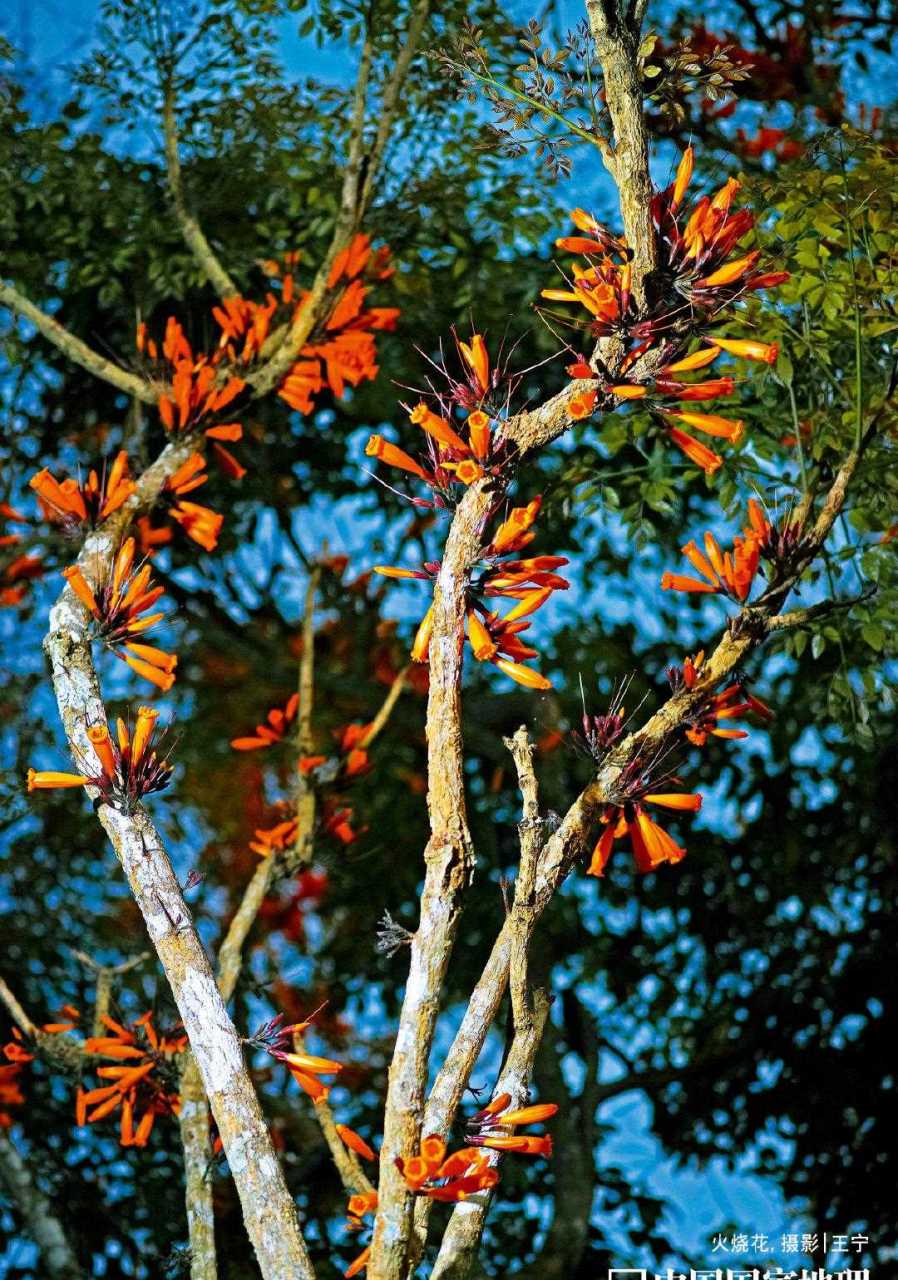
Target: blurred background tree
[728, 1017]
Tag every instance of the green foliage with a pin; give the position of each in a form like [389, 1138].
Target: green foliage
[718, 988]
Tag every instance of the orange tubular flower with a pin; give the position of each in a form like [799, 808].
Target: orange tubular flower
[359, 1264]
[748, 349]
[477, 359]
[695, 451]
[42, 780]
[438, 428]
[278, 721]
[697, 360]
[523, 675]
[378, 447]
[482, 644]
[99, 738]
[479, 433]
[356, 1143]
[421, 646]
[529, 1115]
[520, 1144]
[730, 574]
[88, 503]
[710, 423]
[79, 585]
[683, 178]
[514, 532]
[626, 816]
[731, 703]
[116, 607]
[704, 272]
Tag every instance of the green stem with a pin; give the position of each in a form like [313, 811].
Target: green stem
[509, 92]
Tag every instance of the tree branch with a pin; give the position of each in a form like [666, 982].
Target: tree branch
[802, 617]
[617, 34]
[306, 799]
[191, 230]
[76, 350]
[41, 1222]
[193, 1119]
[392, 91]
[449, 860]
[268, 1208]
[461, 1240]
[17, 1013]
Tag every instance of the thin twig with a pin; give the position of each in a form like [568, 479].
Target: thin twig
[352, 1175]
[190, 228]
[18, 1014]
[76, 350]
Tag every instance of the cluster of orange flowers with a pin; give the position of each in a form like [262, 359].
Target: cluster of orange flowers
[139, 1063]
[335, 771]
[69, 502]
[203, 385]
[17, 1056]
[437, 1175]
[126, 767]
[530, 581]
[115, 605]
[141, 1066]
[453, 458]
[651, 844]
[703, 278]
[733, 702]
[732, 573]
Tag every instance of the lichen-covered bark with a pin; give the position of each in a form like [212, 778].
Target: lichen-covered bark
[461, 1239]
[449, 862]
[196, 1143]
[268, 1208]
[615, 26]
